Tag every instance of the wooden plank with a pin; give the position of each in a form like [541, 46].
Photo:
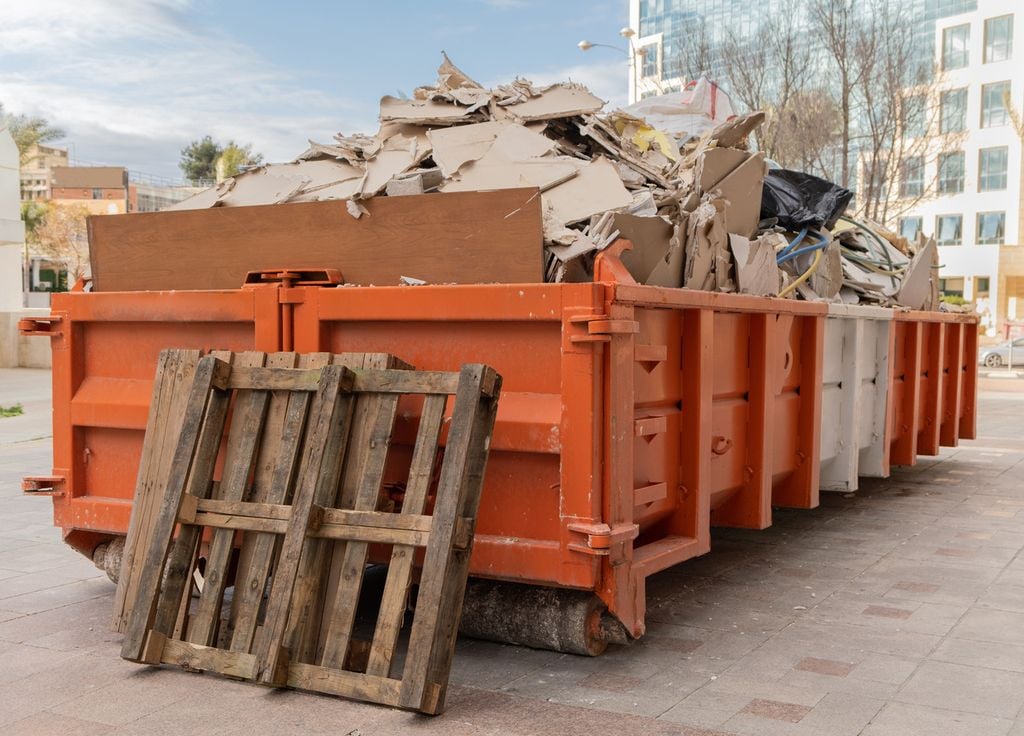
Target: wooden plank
[406, 382]
[184, 552]
[175, 369]
[377, 534]
[373, 454]
[443, 578]
[143, 606]
[274, 379]
[347, 684]
[316, 584]
[239, 457]
[396, 587]
[466, 237]
[271, 489]
[326, 440]
[197, 657]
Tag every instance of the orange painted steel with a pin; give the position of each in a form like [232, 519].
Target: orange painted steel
[105, 348]
[934, 383]
[632, 418]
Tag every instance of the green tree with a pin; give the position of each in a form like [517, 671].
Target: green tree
[32, 214]
[29, 131]
[199, 159]
[207, 159]
[234, 157]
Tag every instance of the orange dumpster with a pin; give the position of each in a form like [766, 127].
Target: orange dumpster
[633, 417]
[934, 390]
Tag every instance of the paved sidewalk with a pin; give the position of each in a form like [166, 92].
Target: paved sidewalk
[897, 611]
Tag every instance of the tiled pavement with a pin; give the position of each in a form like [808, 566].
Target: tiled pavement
[899, 610]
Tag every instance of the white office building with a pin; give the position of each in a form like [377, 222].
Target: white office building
[974, 199]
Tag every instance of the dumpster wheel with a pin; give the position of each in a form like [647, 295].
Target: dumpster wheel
[558, 619]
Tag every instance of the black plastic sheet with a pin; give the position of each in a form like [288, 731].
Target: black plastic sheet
[801, 200]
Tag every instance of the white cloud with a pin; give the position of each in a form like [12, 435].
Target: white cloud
[132, 82]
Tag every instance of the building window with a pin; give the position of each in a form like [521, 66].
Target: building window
[991, 228]
[910, 227]
[952, 287]
[951, 172]
[993, 104]
[953, 112]
[649, 54]
[97, 194]
[914, 116]
[954, 47]
[998, 38]
[992, 163]
[912, 177]
[982, 285]
[949, 229]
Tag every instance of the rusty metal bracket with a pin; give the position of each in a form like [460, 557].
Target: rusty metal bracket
[600, 538]
[287, 278]
[43, 485]
[43, 326]
[600, 328]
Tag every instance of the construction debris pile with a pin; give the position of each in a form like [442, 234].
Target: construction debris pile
[674, 175]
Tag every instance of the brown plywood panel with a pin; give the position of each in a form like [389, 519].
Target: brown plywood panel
[464, 237]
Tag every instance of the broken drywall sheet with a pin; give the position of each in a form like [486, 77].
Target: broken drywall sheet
[669, 270]
[650, 237]
[827, 279]
[423, 112]
[733, 133]
[915, 289]
[557, 101]
[596, 188]
[738, 177]
[262, 187]
[494, 171]
[457, 145]
[756, 270]
[706, 235]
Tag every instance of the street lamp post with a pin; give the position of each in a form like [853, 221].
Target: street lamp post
[631, 53]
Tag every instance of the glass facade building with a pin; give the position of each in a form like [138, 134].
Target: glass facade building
[678, 21]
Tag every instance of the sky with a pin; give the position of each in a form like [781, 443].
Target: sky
[133, 81]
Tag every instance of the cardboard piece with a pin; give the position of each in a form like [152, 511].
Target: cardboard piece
[705, 237]
[739, 177]
[756, 270]
[915, 289]
[472, 237]
[669, 271]
[650, 237]
[733, 133]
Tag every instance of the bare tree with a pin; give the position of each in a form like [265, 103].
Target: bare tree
[849, 47]
[897, 101]
[695, 54]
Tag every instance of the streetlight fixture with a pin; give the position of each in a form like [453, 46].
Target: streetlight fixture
[586, 45]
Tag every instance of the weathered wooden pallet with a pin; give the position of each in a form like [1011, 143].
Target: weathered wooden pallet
[174, 374]
[315, 441]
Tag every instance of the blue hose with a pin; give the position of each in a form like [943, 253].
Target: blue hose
[795, 242]
[788, 255]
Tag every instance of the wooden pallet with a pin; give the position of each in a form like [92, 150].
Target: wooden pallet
[174, 374]
[315, 442]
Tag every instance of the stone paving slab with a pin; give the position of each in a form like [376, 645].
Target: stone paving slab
[895, 611]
